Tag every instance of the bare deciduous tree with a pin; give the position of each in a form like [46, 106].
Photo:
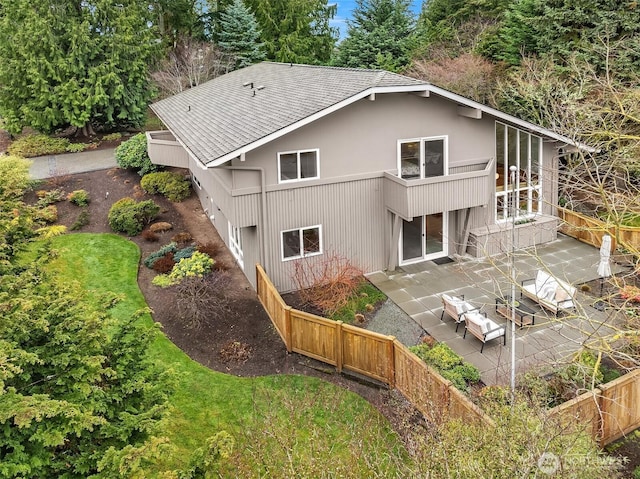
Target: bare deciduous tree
[189, 64]
[202, 298]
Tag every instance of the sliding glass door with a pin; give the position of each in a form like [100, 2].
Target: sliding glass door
[423, 238]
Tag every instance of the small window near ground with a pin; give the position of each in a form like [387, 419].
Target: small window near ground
[301, 242]
[235, 244]
[298, 165]
[196, 181]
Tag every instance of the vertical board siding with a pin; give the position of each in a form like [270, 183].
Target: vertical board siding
[313, 336]
[352, 217]
[163, 149]
[367, 353]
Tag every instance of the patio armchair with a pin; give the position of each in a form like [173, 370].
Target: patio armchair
[483, 328]
[455, 307]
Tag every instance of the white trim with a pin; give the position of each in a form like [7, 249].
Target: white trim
[424, 89]
[301, 232]
[422, 140]
[298, 168]
[424, 255]
[235, 244]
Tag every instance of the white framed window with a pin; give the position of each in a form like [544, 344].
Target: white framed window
[298, 165]
[301, 242]
[515, 147]
[423, 157]
[235, 244]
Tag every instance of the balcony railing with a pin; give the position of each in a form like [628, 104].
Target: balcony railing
[165, 150]
[466, 186]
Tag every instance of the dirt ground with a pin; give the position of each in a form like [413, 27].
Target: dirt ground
[247, 322]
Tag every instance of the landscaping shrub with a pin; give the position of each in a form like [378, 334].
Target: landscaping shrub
[82, 220]
[164, 264]
[211, 249]
[14, 172]
[49, 197]
[630, 293]
[197, 265]
[130, 217]
[184, 253]
[363, 300]
[153, 257]
[79, 197]
[150, 236]
[112, 137]
[133, 154]
[48, 214]
[202, 299]
[174, 186]
[183, 238]
[448, 363]
[38, 145]
[76, 147]
[161, 227]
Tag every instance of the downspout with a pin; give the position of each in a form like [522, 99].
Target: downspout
[263, 209]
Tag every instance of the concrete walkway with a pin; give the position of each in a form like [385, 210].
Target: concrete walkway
[416, 290]
[70, 163]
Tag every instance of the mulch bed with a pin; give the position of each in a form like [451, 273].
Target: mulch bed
[243, 342]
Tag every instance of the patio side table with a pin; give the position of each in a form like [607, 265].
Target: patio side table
[525, 316]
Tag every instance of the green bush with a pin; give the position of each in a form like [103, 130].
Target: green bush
[133, 154]
[156, 255]
[130, 217]
[49, 197]
[367, 295]
[184, 253]
[174, 186]
[76, 147]
[14, 172]
[48, 214]
[79, 197]
[38, 145]
[112, 137]
[197, 265]
[448, 363]
[82, 220]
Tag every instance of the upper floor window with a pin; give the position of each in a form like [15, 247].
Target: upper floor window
[301, 242]
[298, 165]
[522, 195]
[422, 157]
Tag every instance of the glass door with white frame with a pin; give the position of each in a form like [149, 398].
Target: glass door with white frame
[424, 238]
[422, 158]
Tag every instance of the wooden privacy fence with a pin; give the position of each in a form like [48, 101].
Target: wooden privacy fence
[610, 411]
[368, 353]
[591, 230]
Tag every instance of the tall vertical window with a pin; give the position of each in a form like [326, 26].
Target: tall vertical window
[523, 150]
[298, 165]
[422, 157]
[235, 244]
[301, 242]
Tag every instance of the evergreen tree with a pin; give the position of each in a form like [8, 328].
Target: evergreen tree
[72, 62]
[239, 35]
[591, 30]
[379, 36]
[296, 31]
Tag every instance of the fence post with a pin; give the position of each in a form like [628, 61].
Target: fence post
[339, 346]
[287, 333]
[391, 352]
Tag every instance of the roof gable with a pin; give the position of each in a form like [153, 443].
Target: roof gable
[235, 110]
[242, 110]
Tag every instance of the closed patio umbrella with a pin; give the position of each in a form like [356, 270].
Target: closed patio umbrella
[604, 266]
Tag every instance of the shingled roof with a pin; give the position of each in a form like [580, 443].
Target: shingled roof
[236, 110]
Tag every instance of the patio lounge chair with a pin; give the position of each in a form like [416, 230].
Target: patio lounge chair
[483, 328]
[455, 307]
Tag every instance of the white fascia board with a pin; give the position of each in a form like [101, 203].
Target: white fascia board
[310, 119]
[508, 118]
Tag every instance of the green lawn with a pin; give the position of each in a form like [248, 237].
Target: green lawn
[280, 423]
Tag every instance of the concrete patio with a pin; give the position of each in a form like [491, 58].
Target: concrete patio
[416, 290]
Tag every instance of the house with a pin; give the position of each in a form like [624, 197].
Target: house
[297, 161]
